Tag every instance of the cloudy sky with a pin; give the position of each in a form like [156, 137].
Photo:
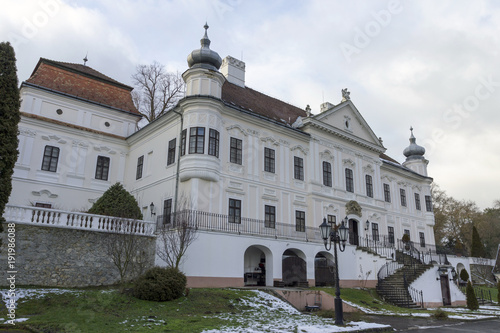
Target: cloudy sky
[430, 64]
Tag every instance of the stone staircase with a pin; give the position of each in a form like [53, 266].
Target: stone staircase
[394, 288]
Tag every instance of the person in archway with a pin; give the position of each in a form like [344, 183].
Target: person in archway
[262, 266]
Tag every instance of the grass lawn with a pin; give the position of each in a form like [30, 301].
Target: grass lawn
[111, 311]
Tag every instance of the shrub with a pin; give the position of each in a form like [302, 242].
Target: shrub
[464, 276]
[160, 284]
[472, 303]
[118, 202]
[406, 238]
[440, 314]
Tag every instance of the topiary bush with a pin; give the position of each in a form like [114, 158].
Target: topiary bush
[160, 284]
[118, 202]
[472, 303]
[464, 276]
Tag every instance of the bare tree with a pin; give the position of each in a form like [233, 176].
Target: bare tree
[157, 90]
[124, 246]
[176, 236]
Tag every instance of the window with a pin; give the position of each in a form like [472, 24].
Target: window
[422, 239]
[235, 151]
[369, 186]
[349, 181]
[390, 230]
[140, 163]
[270, 218]
[417, 201]
[327, 174]
[50, 158]
[403, 197]
[375, 231]
[183, 142]
[298, 168]
[269, 160]
[331, 219]
[167, 211]
[43, 205]
[171, 152]
[387, 193]
[300, 221]
[234, 211]
[197, 140]
[428, 203]
[213, 143]
[102, 168]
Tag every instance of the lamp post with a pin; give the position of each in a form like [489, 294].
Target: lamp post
[153, 210]
[332, 233]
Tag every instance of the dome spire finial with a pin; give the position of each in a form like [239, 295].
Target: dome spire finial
[413, 151]
[205, 41]
[204, 57]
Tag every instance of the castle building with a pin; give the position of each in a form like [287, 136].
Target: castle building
[258, 175]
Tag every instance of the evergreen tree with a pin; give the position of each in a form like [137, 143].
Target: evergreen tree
[477, 247]
[118, 202]
[472, 303]
[464, 276]
[10, 115]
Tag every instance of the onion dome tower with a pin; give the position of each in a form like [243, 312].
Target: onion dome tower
[202, 117]
[415, 159]
[203, 76]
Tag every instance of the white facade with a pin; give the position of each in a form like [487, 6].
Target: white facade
[298, 191]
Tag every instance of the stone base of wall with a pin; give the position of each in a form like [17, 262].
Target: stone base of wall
[214, 282]
[54, 257]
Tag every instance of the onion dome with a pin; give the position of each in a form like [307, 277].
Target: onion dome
[414, 151]
[204, 57]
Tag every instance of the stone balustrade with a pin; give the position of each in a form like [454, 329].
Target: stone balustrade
[75, 220]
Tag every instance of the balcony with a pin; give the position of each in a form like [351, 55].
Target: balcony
[45, 217]
[244, 226]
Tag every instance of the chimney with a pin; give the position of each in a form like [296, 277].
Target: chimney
[234, 70]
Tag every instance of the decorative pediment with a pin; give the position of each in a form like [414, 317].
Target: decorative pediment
[44, 192]
[348, 162]
[236, 127]
[270, 140]
[330, 209]
[368, 168]
[54, 138]
[82, 144]
[374, 217]
[300, 148]
[353, 207]
[105, 149]
[27, 132]
[326, 155]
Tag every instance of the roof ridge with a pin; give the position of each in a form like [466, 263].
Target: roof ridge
[90, 72]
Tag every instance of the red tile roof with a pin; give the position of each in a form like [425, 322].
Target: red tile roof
[260, 103]
[82, 82]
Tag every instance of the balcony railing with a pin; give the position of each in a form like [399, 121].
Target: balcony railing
[242, 226]
[74, 220]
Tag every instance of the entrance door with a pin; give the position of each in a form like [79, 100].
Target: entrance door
[353, 232]
[445, 290]
[324, 271]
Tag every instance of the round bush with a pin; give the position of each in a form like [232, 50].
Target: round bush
[160, 284]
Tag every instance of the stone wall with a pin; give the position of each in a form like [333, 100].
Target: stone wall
[47, 256]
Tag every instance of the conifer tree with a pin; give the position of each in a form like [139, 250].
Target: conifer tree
[472, 303]
[464, 276]
[477, 247]
[118, 202]
[10, 116]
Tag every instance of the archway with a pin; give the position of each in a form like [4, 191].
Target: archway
[324, 269]
[258, 266]
[294, 268]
